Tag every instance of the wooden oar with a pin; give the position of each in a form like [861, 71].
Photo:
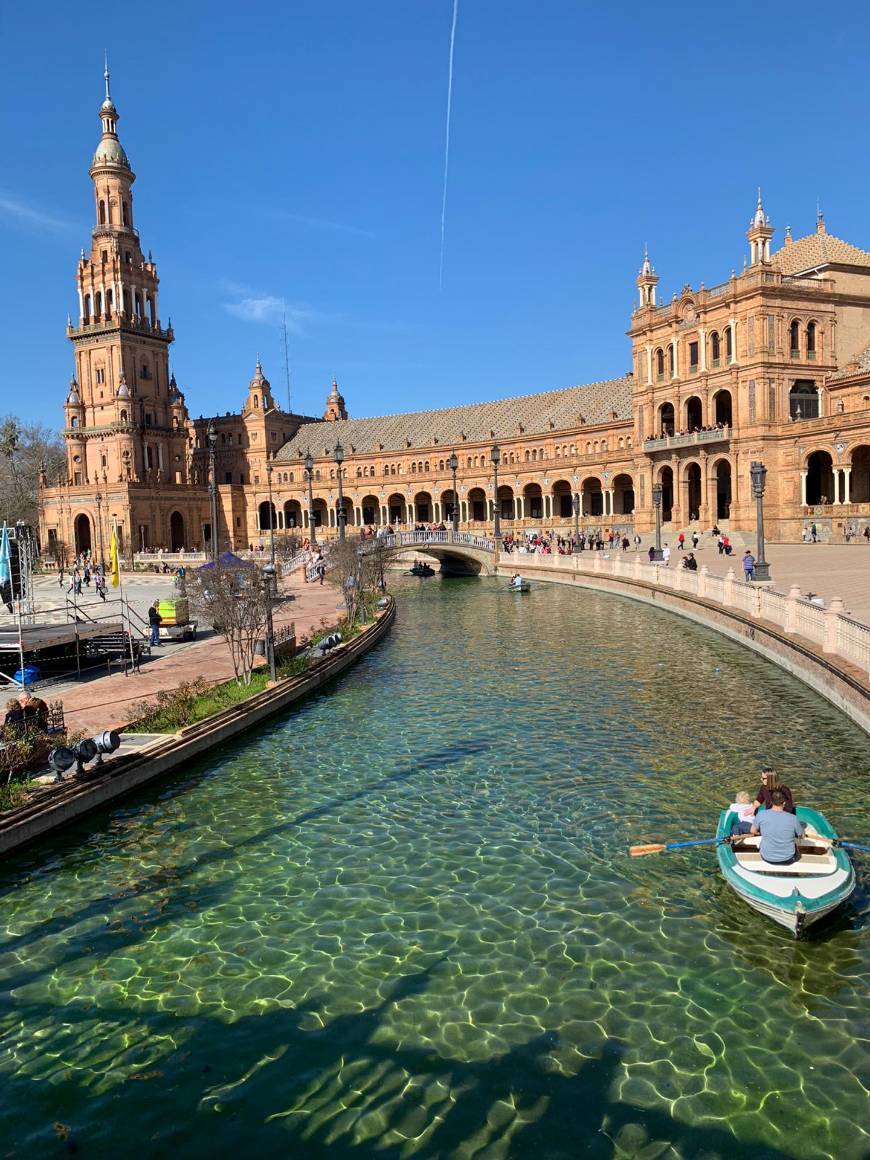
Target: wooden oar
[853, 846]
[658, 847]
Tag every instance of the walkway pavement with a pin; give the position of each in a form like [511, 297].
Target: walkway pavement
[106, 702]
[826, 569]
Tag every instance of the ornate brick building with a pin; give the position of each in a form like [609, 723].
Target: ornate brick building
[773, 364]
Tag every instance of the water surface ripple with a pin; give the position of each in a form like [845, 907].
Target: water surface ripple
[402, 920]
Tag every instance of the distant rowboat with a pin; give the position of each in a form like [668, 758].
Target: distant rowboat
[797, 895]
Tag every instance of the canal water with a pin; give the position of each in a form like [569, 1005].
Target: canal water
[402, 921]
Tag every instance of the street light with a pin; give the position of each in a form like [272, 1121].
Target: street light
[657, 504]
[271, 515]
[269, 578]
[309, 474]
[211, 439]
[758, 473]
[453, 464]
[338, 456]
[495, 456]
[575, 504]
[99, 499]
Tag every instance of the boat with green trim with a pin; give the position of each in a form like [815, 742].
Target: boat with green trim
[800, 894]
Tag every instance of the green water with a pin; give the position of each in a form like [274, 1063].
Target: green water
[402, 921]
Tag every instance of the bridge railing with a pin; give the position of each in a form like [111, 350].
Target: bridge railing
[421, 539]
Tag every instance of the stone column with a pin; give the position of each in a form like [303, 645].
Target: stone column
[847, 485]
[702, 348]
[649, 364]
[837, 471]
[732, 322]
[803, 489]
[676, 349]
[611, 491]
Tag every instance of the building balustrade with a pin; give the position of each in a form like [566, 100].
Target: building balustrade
[713, 435]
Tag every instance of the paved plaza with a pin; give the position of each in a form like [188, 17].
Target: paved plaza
[105, 702]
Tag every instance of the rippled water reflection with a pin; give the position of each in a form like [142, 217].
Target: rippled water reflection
[403, 922]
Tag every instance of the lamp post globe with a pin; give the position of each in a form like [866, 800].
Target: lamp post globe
[495, 456]
[211, 439]
[453, 464]
[758, 475]
[308, 463]
[657, 504]
[338, 456]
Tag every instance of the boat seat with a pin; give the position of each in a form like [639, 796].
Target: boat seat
[809, 863]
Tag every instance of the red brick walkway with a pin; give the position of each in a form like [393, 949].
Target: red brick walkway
[106, 702]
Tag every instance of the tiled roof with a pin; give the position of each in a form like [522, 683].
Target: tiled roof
[819, 249]
[860, 365]
[476, 422]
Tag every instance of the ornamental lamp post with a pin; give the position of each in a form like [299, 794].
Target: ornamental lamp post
[758, 474]
[211, 439]
[271, 515]
[575, 504]
[657, 504]
[495, 456]
[269, 586]
[338, 456]
[453, 464]
[309, 474]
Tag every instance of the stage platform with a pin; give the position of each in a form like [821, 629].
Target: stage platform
[36, 637]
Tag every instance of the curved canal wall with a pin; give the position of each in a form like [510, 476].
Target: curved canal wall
[60, 805]
[743, 612]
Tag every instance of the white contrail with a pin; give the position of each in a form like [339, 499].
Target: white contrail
[447, 141]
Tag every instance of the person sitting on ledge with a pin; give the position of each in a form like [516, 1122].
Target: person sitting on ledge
[690, 562]
[779, 833]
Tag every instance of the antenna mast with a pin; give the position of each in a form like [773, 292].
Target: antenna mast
[286, 359]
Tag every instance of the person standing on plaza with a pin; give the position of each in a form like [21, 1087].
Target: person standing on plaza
[666, 556]
[748, 565]
[636, 542]
[154, 621]
[681, 541]
[814, 532]
[695, 540]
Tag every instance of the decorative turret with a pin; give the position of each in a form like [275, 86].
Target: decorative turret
[335, 408]
[759, 234]
[123, 390]
[73, 399]
[259, 393]
[647, 280]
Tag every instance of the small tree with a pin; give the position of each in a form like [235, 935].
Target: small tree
[358, 571]
[235, 601]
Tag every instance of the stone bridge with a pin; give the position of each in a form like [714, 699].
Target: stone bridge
[460, 553]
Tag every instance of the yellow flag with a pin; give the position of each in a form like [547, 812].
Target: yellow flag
[113, 560]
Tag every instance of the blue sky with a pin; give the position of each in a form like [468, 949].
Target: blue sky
[295, 151]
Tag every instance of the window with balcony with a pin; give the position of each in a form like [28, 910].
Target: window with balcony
[660, 365]
[811, 341]
[715, 349]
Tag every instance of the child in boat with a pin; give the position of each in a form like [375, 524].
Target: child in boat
[744, 808]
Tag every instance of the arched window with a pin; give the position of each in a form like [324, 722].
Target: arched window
[152, 318]
[125, 215]
[413, 468]
[729, 343]
[795, 339]
[427, 466]
[715, 348]
[87, 308]
[102, 213]
[256, 402]
[123, 416]
[359, 473]
[660, 364]
[74, 421]
[811, 340]
[671, 371]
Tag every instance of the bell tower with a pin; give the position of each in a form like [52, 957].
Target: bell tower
[128, 424]
[759, 234]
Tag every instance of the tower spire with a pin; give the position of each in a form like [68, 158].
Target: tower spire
[759, 234]
[106, 77]
[647, 280]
